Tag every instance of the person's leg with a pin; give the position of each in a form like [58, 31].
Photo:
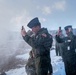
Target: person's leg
[45, 63]
[50, 69]
[38, 65]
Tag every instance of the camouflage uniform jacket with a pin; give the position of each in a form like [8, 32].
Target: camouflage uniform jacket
[40, 43]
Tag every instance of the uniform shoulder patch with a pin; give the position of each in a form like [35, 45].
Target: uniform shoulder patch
[44, 35]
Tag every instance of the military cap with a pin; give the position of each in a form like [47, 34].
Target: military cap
[68, 27]
[33, 22]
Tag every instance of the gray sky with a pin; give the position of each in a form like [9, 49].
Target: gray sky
[51, 13]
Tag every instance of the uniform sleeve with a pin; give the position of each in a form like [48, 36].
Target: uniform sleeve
[58, 39]
[29, 40]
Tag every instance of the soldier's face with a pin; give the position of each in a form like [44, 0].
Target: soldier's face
[35, 29]
[68, 31]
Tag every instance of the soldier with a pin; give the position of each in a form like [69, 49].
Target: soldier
[41, 43]
[30, 65]
[68, 50]
[58, 45]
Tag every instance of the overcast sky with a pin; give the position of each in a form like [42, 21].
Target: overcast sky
[51, 13]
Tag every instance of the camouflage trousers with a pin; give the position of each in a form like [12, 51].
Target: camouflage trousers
[30, 71]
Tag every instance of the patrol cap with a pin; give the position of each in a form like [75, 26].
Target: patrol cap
[68, 27]
[33, 22]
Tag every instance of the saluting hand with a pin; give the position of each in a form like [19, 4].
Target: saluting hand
[23, 31]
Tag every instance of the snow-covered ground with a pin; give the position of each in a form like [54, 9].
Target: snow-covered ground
[58, 65]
